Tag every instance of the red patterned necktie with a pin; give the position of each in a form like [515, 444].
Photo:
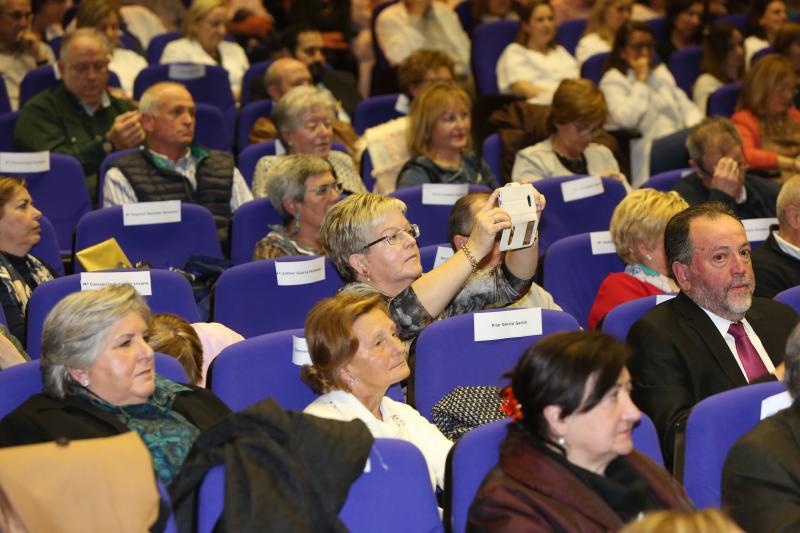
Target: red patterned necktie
[751, 361]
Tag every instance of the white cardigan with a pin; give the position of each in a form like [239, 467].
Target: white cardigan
[518, 63]
[232, 56]
[589, 45]
[540, 161]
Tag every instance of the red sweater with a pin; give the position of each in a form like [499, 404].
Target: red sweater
[747, 124]
[616, 289]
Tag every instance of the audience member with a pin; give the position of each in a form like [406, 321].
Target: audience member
[720, 172]
[604, 20]
[713, 336]
[143, 23]
[577, 114]
[767, 119]
[356, 356]
[568, 461]
[459, 228]
[649, 9]
[171, 167]
[566, 10]
[761, 475]
[776, 262]
[21, 50]
[410, 25]
[301, 188]
[535, 64]
[787, 44]
[722, 63]
[99, 380]
[304, 117]
[764, 20]
[47, 17]
[20, 272]
[684, 27]
[484, 11]
[104, 15]
[203, 42]
[386, 142]
[374, 248]
[439, 138]
[708, 520]
[643, 96]
[637, 230]
[79, 117]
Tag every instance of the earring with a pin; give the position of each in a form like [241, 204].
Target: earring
[649, 257]
[366, 275]
[85, 382]
[561, 441]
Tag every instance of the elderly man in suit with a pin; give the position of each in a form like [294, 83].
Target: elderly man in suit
[714, 335]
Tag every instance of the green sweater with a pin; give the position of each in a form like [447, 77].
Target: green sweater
[54, 120]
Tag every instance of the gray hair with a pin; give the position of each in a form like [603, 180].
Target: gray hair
[150, 103]
[348, 224]
[792, 363]
[286, 178]
[288, 111]
[76, 327]
[789, 195]
[92, 33]
[718, 132]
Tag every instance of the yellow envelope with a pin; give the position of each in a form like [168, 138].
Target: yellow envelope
[104, 255]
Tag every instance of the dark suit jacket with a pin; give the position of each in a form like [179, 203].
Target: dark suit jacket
[344, 88]
[761, 476]
[775, 270]
[680, 358]
[760, 202]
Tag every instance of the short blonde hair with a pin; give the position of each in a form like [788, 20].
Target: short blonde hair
[706, 521]
[640, 218]
[197, 12]
[427, 108]
[347, 225]
[762, 79]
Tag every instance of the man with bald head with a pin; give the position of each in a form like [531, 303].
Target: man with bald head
[79, 117]
[172, 167]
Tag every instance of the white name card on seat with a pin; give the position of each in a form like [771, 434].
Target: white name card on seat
[757, 229]
[186, 71]
[602, 243]
[24, 162]
[300, 272]
[775, 403]
[300, 355]
[144, 213]
[443, 253]
[139, 279]
[581, 188]
[507, 324]
[443, 193]
[661, 298]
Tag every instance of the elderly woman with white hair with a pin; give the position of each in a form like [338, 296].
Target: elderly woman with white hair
[301, 188]
[304, 117]
[99, 381]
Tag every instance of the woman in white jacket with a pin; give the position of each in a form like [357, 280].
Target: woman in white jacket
[642, 96]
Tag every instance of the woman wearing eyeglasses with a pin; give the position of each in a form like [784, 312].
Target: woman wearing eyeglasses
[301, 188]
[374, 248]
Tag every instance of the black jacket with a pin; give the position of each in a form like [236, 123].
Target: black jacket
[760, 202]
[775, 270]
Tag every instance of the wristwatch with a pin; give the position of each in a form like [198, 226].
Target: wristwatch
[108, 146]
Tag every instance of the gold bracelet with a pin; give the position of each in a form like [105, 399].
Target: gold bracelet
[470, 258]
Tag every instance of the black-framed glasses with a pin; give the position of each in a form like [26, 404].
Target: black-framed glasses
[394, 238]
[325, 190]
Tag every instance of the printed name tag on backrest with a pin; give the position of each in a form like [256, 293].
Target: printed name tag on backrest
[300, 272]
[773, 404]
[443, 193]
[580, 188]
[139, 279]
[602, 243]
[300, 355]
[144, 213]
[24, 162]
[443, 253]
[757, 229]
[507, 324]
[186, 71]
[661, 298]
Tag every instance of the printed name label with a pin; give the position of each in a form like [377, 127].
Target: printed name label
[300, 355]
[443, 193]
[773, 404]
[300, 272]
[507, 324]
[757, 229]
[602, 243]
[145, 213]
[139, 279]
[580, 188]
[24, 162]
[186, 71]
[443, 253]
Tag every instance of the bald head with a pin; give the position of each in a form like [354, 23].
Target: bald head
[160, 93]
[285, 74]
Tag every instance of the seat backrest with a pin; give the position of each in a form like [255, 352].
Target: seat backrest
[5, 102]
[714, 425]
[666, 181]
[493, 155]
[366, 171]
[159, 245]
[61, 195]
[157, 44]
[572, 273]
[44, 77]
[8, 122]
[249, 156]
[428, 254]
[685, 67]
[761, 53]
[431, 219]
[722, 102]
[375, 110]
[565, 216]
[464, 12]
[250, 223]
[245, 294]
[448, 356]
[659, 26]
[488, 42]
[47, 248]
[569, 33]
[592, 68]
[790, 297]
[620, 319]
[737, 19]
[210, 128]
[253, 72]
[247, 117]
[171, 293]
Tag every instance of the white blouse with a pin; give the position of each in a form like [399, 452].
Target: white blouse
[126, 64]
[703, 87]
[589, 45]
[232, 58]
[518, 63]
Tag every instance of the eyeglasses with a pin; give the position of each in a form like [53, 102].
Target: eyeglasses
[394, 238]
[325, 190]
[19, 15]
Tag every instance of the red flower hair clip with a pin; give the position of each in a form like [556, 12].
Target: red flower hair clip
[510, 405]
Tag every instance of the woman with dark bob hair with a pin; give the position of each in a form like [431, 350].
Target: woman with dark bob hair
[568, 463]
[722, 63]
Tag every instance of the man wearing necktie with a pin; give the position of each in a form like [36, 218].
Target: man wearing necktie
[714, 335]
